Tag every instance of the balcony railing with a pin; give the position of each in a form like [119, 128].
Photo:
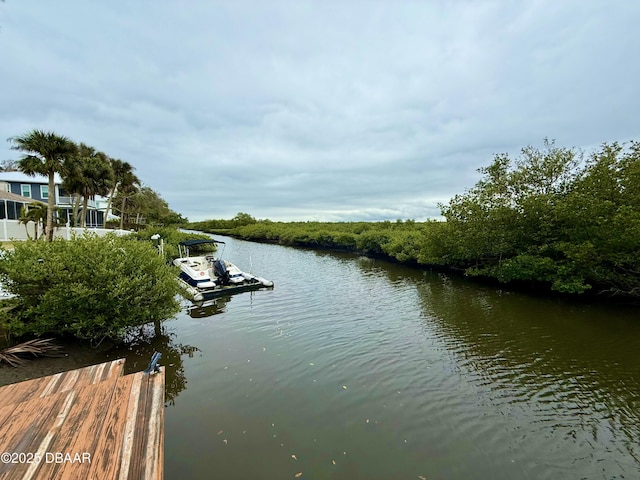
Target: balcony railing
[68, 201]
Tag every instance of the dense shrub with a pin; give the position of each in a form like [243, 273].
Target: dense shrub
[89, 287]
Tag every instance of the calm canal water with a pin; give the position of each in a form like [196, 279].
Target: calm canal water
[357, 369]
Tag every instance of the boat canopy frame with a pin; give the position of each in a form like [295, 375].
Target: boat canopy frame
[191, 243]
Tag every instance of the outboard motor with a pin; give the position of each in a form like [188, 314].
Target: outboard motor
[220, 269]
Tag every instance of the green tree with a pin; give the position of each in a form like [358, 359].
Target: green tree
[146, 206]
[600, 221]
[242, 219]
[45, 154]
[123, 178]
[128, 186]
[512, 208]
[551, 218]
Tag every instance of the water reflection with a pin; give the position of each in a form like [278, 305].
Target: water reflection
[148, 340]
[208, 308]
[572, 367]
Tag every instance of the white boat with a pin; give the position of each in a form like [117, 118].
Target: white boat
[207, 276]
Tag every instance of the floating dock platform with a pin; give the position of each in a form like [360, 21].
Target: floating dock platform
[89, 423]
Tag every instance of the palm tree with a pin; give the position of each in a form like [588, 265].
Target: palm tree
[35, 212]
[87, 175]
[45, 154]
[73, 181]
[98, 180]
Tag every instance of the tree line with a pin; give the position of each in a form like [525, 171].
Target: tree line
[87, 173]
[552, 218]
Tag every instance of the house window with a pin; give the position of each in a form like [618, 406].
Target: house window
[26, 190]
[44, 192]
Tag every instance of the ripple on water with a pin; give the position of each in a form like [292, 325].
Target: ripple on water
[392, 373]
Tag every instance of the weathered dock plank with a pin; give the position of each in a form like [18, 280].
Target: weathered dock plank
[80, 431]
[27, 422]
[102, 427]
[108, 463]
[60, 382]
[154, 456]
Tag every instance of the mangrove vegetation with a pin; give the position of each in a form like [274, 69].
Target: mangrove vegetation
[90, 288]
[552, 218]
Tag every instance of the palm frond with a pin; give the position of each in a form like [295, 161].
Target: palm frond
[32, 348]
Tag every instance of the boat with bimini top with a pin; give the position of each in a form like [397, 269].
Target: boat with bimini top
[208, 276]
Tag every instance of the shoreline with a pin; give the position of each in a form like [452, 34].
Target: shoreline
[536, 289]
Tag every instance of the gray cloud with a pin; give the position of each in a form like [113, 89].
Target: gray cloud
[318, 110]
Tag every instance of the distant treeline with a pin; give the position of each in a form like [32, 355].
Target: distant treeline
[552, 218]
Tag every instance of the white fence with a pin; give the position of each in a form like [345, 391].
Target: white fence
[14, 230]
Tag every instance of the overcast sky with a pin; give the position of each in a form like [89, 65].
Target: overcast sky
[318, 110]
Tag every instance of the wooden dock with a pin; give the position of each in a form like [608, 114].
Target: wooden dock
[90, 423]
